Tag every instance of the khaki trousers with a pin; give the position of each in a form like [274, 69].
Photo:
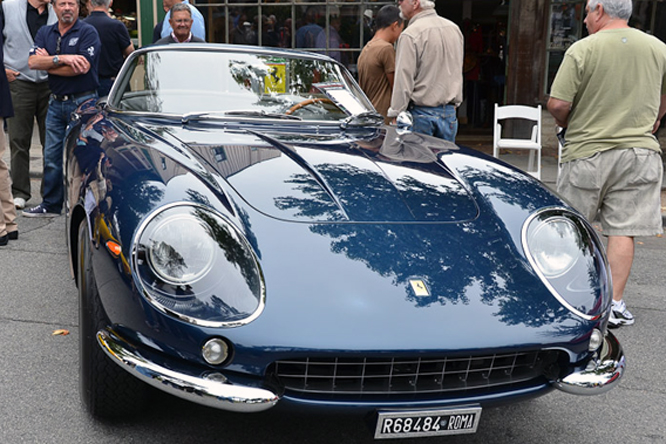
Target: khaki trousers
[7, 208]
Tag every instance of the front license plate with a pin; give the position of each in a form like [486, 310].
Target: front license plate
[404, 424]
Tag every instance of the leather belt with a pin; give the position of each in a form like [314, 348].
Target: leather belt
[67, 97]
[412, 105]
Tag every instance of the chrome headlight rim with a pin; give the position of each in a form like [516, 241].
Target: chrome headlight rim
[146, 292]
[556, 212]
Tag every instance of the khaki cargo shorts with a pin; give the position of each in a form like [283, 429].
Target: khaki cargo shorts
[621, 188]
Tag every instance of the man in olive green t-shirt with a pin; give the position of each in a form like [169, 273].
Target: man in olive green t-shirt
[610, 95]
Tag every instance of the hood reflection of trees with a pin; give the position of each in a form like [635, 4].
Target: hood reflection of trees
[460, 261]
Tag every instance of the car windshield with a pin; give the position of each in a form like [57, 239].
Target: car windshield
[200, 83]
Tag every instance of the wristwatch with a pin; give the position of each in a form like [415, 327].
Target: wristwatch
[56, 60]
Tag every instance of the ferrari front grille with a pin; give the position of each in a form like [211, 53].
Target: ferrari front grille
[377, 376]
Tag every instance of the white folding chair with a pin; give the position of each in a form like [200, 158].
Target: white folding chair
[532, 143]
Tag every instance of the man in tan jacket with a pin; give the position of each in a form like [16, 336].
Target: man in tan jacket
[429, 70]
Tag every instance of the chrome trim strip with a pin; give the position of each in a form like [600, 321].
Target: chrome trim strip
[192, 387]
[601, 374]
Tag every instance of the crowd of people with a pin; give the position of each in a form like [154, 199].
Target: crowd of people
[424, 75]
[611, 165]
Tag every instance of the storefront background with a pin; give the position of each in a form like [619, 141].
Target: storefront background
[566, 27]
[513, 48]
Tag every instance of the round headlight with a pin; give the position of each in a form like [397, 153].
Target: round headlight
[568, 257]
[192, 263]
[555, 246]
[181, 249]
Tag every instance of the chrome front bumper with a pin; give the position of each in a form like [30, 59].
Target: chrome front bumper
[212, 391]
[601, 374]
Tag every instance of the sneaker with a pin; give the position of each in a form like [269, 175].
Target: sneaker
[620, 315]
[39, 211]
[19, 203]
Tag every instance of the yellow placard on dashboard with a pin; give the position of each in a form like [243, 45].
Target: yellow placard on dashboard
[276, 80]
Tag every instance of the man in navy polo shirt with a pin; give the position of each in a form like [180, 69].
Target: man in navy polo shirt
[69, 51]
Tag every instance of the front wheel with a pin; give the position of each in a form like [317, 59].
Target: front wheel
[107, 390]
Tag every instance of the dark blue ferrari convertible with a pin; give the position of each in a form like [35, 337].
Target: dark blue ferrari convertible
[246, 234]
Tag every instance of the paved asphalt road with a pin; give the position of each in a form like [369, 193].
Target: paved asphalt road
[39, 399]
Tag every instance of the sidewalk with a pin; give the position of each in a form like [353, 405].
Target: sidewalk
[480, 143]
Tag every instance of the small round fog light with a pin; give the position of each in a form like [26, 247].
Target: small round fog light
[596, 338]
[215, 351]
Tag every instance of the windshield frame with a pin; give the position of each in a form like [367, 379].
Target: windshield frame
[344, 85]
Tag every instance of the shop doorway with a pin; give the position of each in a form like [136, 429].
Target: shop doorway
[484, 24]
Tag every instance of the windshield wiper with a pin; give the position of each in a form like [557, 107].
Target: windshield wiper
[250, 113]
[368, 117]
[241, 113]
[199, 116]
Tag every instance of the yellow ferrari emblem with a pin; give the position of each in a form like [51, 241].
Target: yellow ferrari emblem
[419, 287]
[275, 81]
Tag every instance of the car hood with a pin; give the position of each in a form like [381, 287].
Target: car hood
[375, 240]
[332, 177]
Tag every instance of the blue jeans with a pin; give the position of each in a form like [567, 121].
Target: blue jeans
[57, 121]
[438, 121]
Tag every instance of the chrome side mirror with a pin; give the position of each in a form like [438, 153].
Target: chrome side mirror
[404, 123]
[102, 103]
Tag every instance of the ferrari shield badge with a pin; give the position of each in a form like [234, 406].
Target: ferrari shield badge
[419, 287]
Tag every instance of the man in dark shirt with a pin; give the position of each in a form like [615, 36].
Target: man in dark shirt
[116, 44]
[29, 89]
[37, 15]
[69, 51]
[157, 30]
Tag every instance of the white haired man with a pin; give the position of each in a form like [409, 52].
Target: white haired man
[198, 27]
[429, 70]
[180, 21]
[610, 95]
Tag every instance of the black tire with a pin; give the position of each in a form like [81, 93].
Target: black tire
[107, 390]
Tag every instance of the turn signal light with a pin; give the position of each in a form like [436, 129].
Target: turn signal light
[596, 339]
[113, 248]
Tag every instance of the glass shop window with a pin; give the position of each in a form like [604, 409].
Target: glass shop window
[566, 27]
[650, 16]
[339, 29]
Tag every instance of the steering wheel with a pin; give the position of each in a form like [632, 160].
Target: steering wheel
[306, 103]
